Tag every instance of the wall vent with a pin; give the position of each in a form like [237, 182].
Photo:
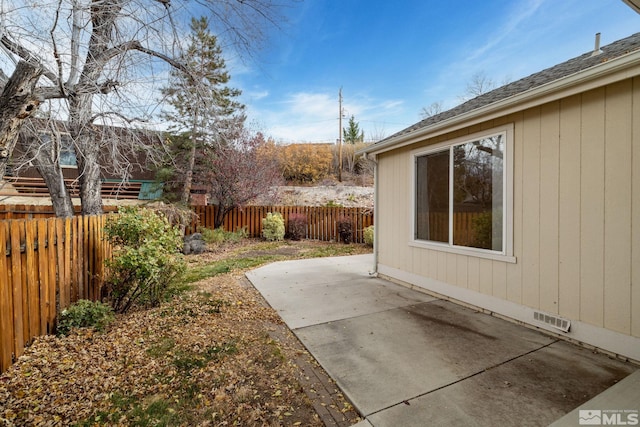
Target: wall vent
[553, 321]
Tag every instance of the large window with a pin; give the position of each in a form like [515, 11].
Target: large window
[461, 196]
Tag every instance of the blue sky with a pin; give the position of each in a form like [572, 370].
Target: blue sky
[392, 58]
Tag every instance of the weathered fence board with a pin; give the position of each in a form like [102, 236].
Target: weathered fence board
[43, 269]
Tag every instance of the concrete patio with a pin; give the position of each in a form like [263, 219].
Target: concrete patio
[404, 358]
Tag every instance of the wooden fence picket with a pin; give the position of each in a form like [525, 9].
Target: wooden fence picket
[6, 303]
[45, 265]
[16, 279]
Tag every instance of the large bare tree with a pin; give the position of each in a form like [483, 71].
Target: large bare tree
[97, 62]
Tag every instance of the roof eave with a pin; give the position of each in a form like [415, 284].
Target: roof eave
[633, 4]
[590, 78]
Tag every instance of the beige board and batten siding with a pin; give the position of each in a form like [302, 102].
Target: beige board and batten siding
[576, 213]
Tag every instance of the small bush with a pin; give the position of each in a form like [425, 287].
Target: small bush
[333, 204]
[345, 229]
[146, 258]
[273, 226]
[211, 236]
[368, 235]
[219, 235]
[84, 314]
[238, 235]
[297, 226]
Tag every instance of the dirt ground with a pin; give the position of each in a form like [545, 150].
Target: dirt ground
[320, 195]
[215, 355]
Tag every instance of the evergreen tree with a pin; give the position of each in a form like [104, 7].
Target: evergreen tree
[204, 106]
[352, 134]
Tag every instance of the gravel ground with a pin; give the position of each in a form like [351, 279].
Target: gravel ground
[345, 195]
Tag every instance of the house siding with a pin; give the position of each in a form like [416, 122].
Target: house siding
[576, 212]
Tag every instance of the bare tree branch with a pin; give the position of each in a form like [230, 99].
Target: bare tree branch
[27, 56]
[75, 42]
[56, 54]
[176, 64]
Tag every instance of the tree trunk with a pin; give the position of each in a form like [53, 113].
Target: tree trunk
[45, 160]
[87, 146]
[188, 178]
[218, 218]
[60, 197]
[89, 169]
[17, 102]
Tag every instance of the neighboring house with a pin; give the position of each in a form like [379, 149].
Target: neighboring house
[26, 180]
[525, 201]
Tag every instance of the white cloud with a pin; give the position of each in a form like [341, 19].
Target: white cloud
[313, 104]
[511, 23]
[302, 116]
[312, 116]
[255, 95]
[391, 104]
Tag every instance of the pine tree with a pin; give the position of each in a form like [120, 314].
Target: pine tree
[204, 107]
[352, 136]
[352, 133]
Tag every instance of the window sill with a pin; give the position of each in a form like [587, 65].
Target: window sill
[477, 253]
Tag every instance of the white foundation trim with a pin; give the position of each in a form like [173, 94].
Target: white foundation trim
[619, 344]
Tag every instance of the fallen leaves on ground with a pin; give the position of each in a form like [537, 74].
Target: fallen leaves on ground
[204, 358]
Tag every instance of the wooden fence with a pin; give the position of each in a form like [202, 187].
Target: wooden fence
[45, 265]
[321, 221]
[15, 211]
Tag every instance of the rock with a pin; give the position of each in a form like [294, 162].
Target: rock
[194, 244]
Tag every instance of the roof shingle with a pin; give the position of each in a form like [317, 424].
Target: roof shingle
[567, 68]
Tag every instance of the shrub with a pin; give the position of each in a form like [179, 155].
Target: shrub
[273, 226]
[297, 226]
[345, 229]
[84, 314]
[333, 204]
[305, 162]
[219, 235]
[238, 235]
[211, 236]
[146, 258]
[368, 235]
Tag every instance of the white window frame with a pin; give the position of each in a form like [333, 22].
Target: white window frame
[507, 225]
